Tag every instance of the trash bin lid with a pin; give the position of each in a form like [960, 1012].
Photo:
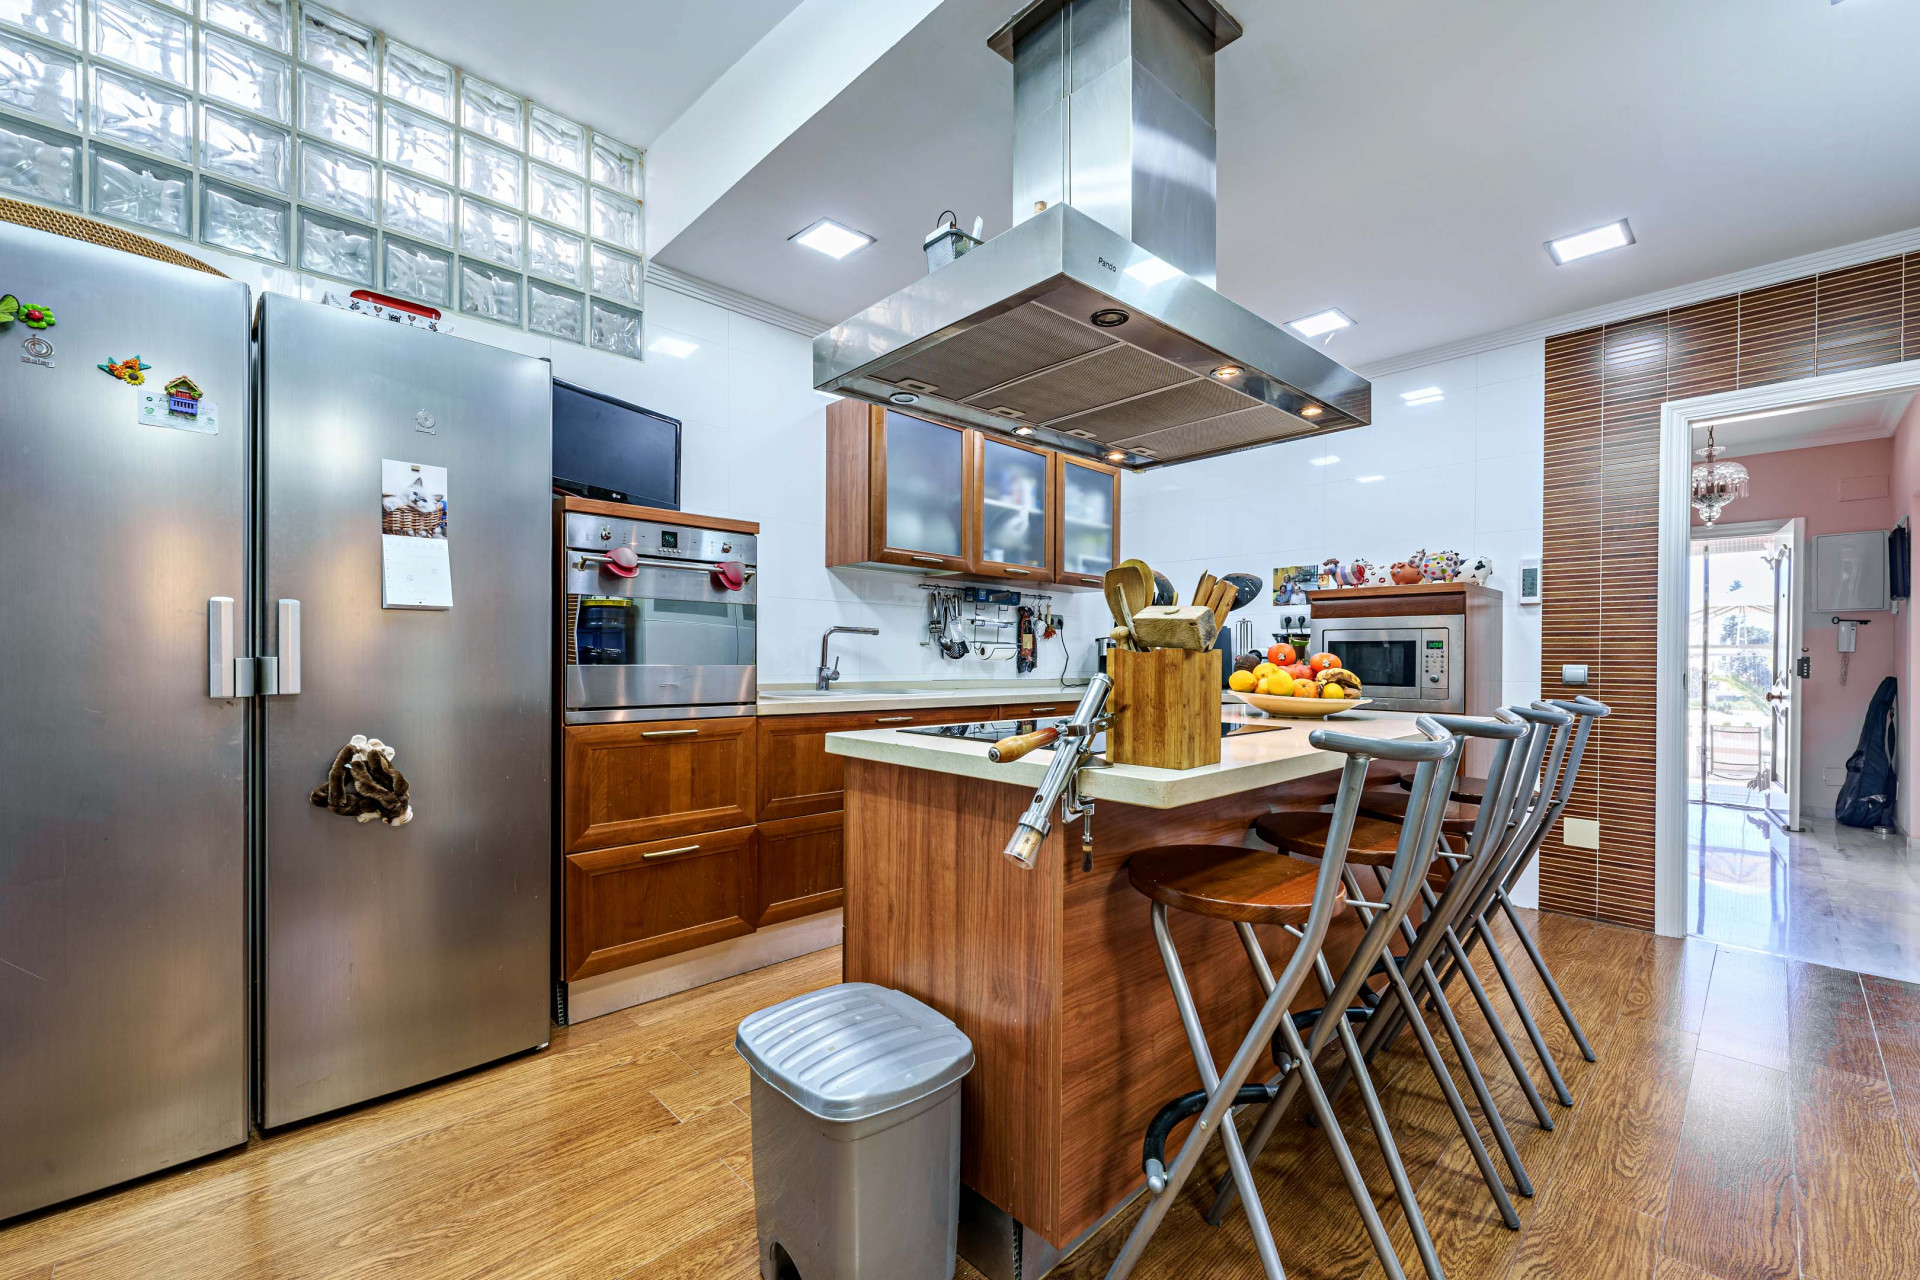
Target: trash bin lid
[854, 1050]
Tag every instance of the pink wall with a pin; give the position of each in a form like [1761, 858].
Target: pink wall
[1807, 482]
[1905, 471]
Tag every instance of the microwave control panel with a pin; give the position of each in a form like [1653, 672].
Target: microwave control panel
[1433, 661]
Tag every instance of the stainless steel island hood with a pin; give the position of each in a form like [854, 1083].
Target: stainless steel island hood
[1092, 325]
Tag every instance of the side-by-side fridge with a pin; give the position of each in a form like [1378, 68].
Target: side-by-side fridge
[233, 538]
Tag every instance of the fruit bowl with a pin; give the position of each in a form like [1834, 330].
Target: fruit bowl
[1300, 708]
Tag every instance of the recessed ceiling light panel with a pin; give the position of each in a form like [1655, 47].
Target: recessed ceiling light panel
[1367, 479]
[1321, 322]
[1425, 395]
[668, 345]
[1615, 235]
[1325, 460]
[831, 238]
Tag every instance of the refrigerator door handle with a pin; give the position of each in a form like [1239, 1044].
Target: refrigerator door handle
[286, 667]
[223, 673]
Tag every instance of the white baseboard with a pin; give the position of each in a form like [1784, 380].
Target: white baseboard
[623, 988]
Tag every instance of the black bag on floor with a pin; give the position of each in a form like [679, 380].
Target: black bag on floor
[1869, 796]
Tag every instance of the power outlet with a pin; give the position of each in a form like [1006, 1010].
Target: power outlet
[1580, 833]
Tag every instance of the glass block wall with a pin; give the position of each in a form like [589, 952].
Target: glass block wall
[292, 134]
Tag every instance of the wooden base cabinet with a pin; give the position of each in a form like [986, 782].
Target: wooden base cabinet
[639, 902]
[681, 833]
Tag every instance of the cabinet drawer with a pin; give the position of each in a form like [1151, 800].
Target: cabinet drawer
[800, 868]
[798, 777]
[629, 783]
[1039, 707]
[638, 902]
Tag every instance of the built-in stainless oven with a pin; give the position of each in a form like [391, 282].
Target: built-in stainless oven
[1413, 663]
[657, 620]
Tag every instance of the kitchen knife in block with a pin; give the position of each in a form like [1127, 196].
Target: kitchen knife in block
[1166, 708]
[1175, 627]
[1201, 588]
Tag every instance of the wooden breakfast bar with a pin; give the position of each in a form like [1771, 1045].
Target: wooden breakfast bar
[1052, 970]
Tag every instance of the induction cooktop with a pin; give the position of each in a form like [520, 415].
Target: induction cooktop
[994, 730]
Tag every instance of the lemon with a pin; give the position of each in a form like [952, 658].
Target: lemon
[1264, 670]
[1280, 684]
[1242, 682]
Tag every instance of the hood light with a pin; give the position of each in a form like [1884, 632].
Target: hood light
[1023, 431]
[1115, 455]
[904, 397]
[1109, 317]
[1227, 371]
[1311, 411]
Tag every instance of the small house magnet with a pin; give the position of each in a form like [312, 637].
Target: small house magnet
[33, 316]
[183, 397]
[131, 371]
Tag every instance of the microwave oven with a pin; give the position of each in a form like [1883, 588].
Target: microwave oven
[1405, 663]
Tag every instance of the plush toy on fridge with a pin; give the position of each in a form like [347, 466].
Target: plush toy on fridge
[364, 785]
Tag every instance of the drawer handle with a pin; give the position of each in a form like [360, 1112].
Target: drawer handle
[668, 853]
[893, 719]
[930, 559]
[1041, 710]
[669, 733]
[1022, 572]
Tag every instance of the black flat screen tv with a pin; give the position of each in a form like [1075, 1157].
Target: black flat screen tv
[609, 449]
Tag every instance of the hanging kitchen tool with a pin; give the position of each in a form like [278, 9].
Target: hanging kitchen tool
[1028, 654]
[947, 241]
[1163, 592]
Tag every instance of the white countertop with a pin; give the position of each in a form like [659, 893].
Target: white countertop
[1247, 763]
[793, 700]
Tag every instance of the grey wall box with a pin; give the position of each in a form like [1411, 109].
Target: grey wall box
[1850, 572]
[856, 1135]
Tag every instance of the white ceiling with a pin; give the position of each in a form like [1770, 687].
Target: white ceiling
[629, 68]
[1400, 159]
[1868, 418]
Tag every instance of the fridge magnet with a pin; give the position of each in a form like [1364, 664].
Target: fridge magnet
[183, 397]
[34, 316]
[132, 370]
[364, 785]
[415, 568]
[155, 409]
[37, 350]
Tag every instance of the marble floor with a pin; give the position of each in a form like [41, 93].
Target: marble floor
[1832, 895]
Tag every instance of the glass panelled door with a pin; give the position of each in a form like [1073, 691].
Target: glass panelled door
[1089, 503]
[1780, 753]
[924, 514]
[1013, 510]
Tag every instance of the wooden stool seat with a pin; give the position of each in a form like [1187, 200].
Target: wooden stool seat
[1390, 805]
[1226, 882]
[1467, 790]
[1374, 843]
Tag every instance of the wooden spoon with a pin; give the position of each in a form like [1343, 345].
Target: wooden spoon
[1138, 577]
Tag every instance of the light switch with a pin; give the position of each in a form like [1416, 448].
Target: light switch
[1580, 833]
[1573, 673]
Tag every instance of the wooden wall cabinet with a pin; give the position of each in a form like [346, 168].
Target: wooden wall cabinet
[906, 493]
[1086, 520]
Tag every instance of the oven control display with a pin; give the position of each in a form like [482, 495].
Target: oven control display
[669, 540]
[1433, 662]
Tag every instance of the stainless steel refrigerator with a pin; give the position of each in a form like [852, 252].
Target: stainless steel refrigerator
[184, 937]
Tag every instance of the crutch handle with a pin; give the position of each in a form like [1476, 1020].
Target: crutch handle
[1476, 727]
[1438, 746]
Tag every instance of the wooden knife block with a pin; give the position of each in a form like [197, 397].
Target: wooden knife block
[1166, 705]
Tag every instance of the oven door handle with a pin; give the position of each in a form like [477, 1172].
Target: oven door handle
[588, 559]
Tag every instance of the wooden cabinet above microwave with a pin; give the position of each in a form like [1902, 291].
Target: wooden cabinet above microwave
[906, 493]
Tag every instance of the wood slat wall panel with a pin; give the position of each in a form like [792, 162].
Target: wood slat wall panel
[1601, 539]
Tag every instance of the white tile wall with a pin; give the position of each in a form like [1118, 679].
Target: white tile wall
[1462, 474]
[753, 447]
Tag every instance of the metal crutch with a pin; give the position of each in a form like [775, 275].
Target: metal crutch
[1164, 1184]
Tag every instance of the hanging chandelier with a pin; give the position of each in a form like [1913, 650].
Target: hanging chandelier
[1716, 482]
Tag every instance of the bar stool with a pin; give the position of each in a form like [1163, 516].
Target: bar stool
[1249, 887]
[1485, 840]
[1573, 718]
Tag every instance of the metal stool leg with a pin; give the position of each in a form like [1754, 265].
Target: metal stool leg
[1546, 975]
[1499, 1030]
[1526, 1015]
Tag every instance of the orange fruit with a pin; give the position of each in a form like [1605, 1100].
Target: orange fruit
[1282, 655]
[1322, 662]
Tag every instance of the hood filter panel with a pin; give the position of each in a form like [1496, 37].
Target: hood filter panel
[1120, 372]
[1011, 344]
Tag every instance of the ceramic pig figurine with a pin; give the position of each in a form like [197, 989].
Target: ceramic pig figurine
[1404, 574]
[1380, 575]
[1479, 569]
[1355, 574]
[1440, 566]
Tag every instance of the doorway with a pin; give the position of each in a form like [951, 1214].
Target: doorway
[1762, 698]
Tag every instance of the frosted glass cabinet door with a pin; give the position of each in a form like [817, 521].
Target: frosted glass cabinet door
[1015, 488]
[926, 483]
[1088, 521]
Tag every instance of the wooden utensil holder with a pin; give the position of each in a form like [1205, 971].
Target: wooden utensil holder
[1166, 705]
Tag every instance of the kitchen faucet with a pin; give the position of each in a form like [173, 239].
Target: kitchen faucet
[829, 674]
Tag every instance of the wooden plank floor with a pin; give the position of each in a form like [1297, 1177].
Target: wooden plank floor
[1749, 1117]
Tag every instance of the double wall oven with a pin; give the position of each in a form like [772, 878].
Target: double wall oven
[657, 621]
